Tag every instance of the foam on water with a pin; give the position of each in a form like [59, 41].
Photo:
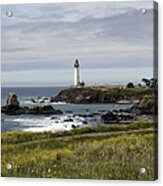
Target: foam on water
[58, 103]
[51, 123]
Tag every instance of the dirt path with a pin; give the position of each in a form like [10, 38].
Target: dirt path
[118, 133]
[91, 135]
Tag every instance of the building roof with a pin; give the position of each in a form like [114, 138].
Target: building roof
[76, 65]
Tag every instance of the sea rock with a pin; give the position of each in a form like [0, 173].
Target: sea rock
[116, 117]
[68, 120]
[69, 111]
[73, 126]
[12, 100]
[47, 109]
[12, 105]
[37, 110]
[54, 118]
[109, 117]
[96, 114]
[33, 100]
[13, 108]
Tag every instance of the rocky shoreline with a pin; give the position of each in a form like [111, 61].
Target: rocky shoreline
[145, 106]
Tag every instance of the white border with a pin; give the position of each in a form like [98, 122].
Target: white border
[59, 1]
[62, 182]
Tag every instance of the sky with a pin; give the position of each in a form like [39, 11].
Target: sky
[113, 42]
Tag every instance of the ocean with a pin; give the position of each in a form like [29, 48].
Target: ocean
[71, 112]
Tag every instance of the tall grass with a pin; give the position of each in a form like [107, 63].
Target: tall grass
[21, 137]
[65, 156]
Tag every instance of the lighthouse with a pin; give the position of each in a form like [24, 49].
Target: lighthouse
[76, 74]
[77, 82]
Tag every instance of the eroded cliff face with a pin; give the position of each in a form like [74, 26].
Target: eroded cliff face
[100, 95]
[148, 105]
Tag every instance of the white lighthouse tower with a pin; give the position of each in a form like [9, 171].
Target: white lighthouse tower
[76, 74]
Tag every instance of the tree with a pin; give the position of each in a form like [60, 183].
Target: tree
[130, 85]
[146, 81]
[151, 83]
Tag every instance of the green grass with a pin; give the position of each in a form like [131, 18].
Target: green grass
[20, 137]
[72, 155]
[126, 91]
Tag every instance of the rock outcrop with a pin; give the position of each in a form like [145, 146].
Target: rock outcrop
[90, 95]
[47, 109]
[147, 106]
[38, 110]
[13, 108]
[118, 117]
[12, 100]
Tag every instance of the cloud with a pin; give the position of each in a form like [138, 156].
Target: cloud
[70, 12]
[101, 35]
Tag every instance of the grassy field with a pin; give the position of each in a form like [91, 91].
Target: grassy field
[105, 152]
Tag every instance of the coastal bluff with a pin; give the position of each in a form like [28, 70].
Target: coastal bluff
[101, 94]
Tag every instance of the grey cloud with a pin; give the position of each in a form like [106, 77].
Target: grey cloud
[52, 36]
[84, 35]
[70, 12]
